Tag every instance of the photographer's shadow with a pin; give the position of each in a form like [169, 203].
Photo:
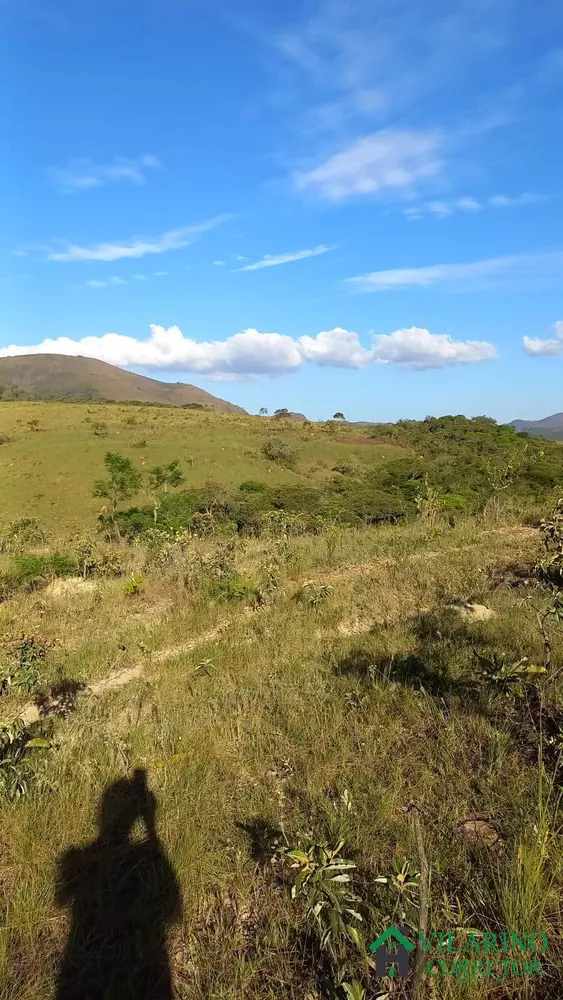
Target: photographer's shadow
[123, 896]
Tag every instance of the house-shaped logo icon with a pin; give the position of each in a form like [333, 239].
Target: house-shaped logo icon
[398, 959]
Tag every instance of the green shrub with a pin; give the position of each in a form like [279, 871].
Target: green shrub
[235, 587]
[253, 486]
[21, 534]
[280, 452]
[32, 571]
[133, 586]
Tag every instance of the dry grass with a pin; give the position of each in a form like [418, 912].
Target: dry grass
[298, 707]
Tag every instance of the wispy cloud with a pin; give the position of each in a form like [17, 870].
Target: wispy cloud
[251, 353]
[521, 270]
[469, 204]
[140, 277]
[272, 260]
[84, 174]
[536, 347]
[392, 160]
[94, 283]
[138, 246]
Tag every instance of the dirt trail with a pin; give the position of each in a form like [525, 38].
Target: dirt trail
[32, 712]
[343, 572]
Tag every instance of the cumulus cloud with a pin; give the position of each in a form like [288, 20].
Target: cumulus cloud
[251, 353]
[388, 161]
[536, 347]
[419, 349]
[286, 258]
[518, 271]
[138, 246]
[83, 174]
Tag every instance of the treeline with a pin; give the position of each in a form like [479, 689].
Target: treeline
[456, 466]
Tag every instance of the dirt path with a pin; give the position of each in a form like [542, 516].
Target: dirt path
[33, 711]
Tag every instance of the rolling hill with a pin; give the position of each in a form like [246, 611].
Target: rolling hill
[56, 376]
[550, 427]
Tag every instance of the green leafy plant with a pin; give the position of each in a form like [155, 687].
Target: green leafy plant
[161, 480]
[314, 594]
[404, 886]
[323, 880]
[509, 679]
[22, 671]
[204, 669]
[550, 568]
[133, 586]
[354, 990]
[16, 772]
[122, 483]
[235, 587]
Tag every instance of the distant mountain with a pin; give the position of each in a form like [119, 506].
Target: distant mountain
[56, 376]
[550, 427]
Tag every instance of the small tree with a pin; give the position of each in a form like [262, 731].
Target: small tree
[122, 483]
[161, 479]
[263, 411]
[338, 416]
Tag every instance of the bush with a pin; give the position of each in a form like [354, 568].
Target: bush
[280, 452]
[22, 534]
[253, 486]
[32, 571]
[235, 588]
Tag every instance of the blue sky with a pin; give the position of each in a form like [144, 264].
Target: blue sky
[350, 205]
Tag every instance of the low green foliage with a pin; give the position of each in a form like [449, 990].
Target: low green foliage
[21, 669]
[16, 770]
[31, 572]
[323, 883]
[313, 594]
[509, 679]
[280, 452]
[21, 534]
[235, 587]
[133, 586]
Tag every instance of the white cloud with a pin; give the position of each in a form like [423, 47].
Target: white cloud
[140, 277]
[83, 174]
[138, 246]
[109, 281]
[466, 204]
[537, 347]
[160, 274]
[419, 349]
[251, 353]
[392, 160]
[286, 258]
[336, 348]
[530, 270]
[219, 263]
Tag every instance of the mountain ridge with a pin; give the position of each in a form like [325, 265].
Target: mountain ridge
[61, 376]
[549, 427]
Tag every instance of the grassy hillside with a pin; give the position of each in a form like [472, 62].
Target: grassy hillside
[54, 376]
[201, 700]
[52, 452]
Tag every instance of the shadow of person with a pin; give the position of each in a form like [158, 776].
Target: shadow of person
[123, 896]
